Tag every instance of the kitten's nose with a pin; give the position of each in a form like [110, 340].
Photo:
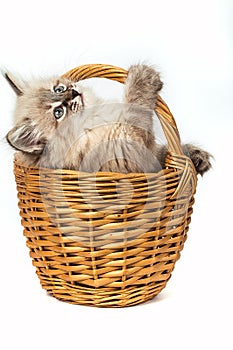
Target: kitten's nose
[75, 93]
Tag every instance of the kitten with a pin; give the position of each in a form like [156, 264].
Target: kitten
[63, 124]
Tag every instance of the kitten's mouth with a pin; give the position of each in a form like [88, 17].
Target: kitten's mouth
[77, 103]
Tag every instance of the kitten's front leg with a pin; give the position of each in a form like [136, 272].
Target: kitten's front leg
[142, 86]
[199, 157]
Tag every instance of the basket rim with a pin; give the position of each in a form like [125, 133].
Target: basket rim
[108, 174]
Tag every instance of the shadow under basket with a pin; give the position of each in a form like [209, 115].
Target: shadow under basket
[107, 239]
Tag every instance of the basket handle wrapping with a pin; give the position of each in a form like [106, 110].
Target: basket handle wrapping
[119, 74]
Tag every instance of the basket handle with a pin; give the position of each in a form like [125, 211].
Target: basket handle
[119, 74]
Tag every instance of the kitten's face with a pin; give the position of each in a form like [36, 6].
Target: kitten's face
[60, 101]
[41, 107]
[53, 99]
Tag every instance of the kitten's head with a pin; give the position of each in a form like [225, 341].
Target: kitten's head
[41, 108]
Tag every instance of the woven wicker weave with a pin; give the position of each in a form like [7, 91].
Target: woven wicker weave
[107, 239]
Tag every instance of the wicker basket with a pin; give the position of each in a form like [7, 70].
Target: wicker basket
[107, 239]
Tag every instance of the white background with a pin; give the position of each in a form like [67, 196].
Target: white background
[191, 44]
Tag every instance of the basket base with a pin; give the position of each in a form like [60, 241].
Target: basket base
[101, 297]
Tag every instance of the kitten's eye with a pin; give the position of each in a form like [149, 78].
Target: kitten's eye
[60, 88]
[58, 112]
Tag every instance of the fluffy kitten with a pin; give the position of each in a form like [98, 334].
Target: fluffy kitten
[62, 124]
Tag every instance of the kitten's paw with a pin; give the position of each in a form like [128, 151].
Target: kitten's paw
[145, 77]
[200, 159]
[142, 85]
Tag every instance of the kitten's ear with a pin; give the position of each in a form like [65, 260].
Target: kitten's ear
[24, 137]
[14, 83]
